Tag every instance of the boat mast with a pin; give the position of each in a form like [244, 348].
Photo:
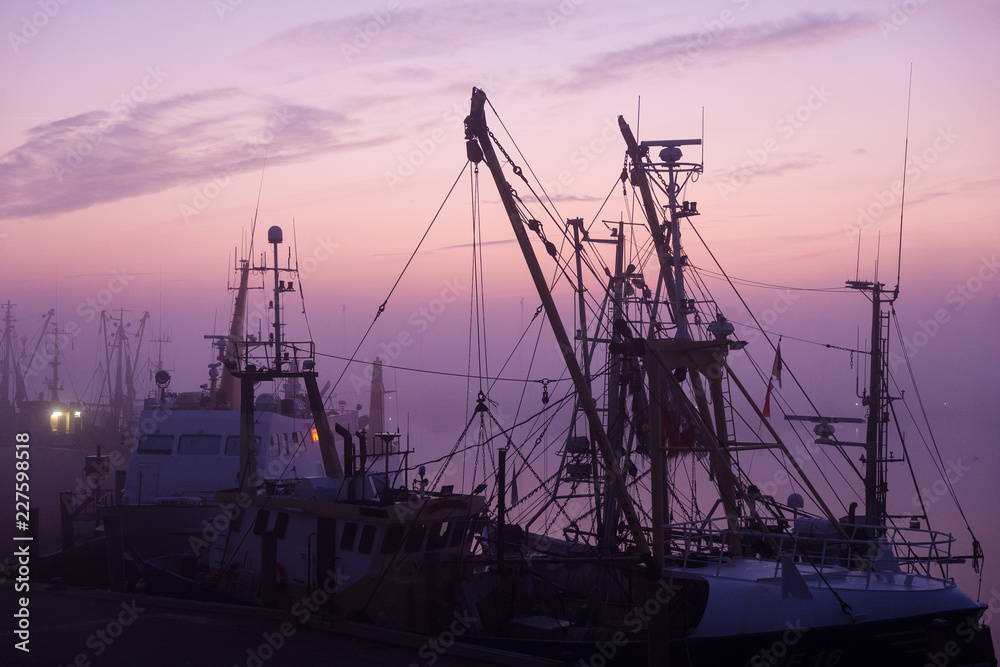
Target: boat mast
[579, 234]
[615, 385]
[681, 351]
[477, 132]
[54, 381]
[231, 347]
[255, 369]
[877, 401]
[7, 368]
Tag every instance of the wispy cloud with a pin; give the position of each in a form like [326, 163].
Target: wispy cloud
[386, 35]
[481, 243]
[953, 187]
[105, 156]
[802, 31]
[782, 165]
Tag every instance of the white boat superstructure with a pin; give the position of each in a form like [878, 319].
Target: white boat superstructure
[186, 454]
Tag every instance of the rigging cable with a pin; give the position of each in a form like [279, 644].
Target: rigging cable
[976, 545]
[302, 296]
[381, 307]
[767, 338]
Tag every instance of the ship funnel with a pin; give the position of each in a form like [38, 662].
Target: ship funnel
[274, 234]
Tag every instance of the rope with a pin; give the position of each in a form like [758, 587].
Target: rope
[381, 307]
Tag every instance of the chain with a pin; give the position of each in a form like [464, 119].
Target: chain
[517, 169]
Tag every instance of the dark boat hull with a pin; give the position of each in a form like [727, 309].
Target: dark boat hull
[948, 640]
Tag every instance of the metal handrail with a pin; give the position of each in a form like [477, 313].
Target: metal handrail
[912, 550]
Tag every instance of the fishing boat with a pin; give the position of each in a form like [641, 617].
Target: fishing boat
[756, 580]
[356, 539]
[610, 560]
[187, 445]
[52, 419]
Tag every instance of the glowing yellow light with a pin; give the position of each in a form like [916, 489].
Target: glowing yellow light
[56, 415]
[315, 435]
[76, 414]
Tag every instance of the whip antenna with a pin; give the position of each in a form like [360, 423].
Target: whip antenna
[902, 195]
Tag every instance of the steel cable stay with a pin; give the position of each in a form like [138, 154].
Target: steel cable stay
[746, 307]
[532, 223]
[427, 371]
[976, 545]
[385, 302]
[353, 358]
[535, 226]
[742, 477]
[707, 299]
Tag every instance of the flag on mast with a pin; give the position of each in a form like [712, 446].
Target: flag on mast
[776, 368]
[775, 375]
[513, 485]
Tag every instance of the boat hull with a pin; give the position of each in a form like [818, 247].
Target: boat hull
[953, 640]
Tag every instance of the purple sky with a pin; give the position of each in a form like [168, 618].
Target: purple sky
[133, 137]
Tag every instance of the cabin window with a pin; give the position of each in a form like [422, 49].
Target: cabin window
[437, 536]
[233, 446]
[295, 437]
[393, 539]
[155, 444]
[367, 539]
[458, 531]
[415, 537]
[260, 522]
[280, 525]
[199, 444]
[347, 537]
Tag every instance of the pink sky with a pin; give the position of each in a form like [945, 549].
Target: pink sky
[132, 139]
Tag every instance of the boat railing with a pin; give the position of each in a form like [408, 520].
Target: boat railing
[866, 551]
[259, 354]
